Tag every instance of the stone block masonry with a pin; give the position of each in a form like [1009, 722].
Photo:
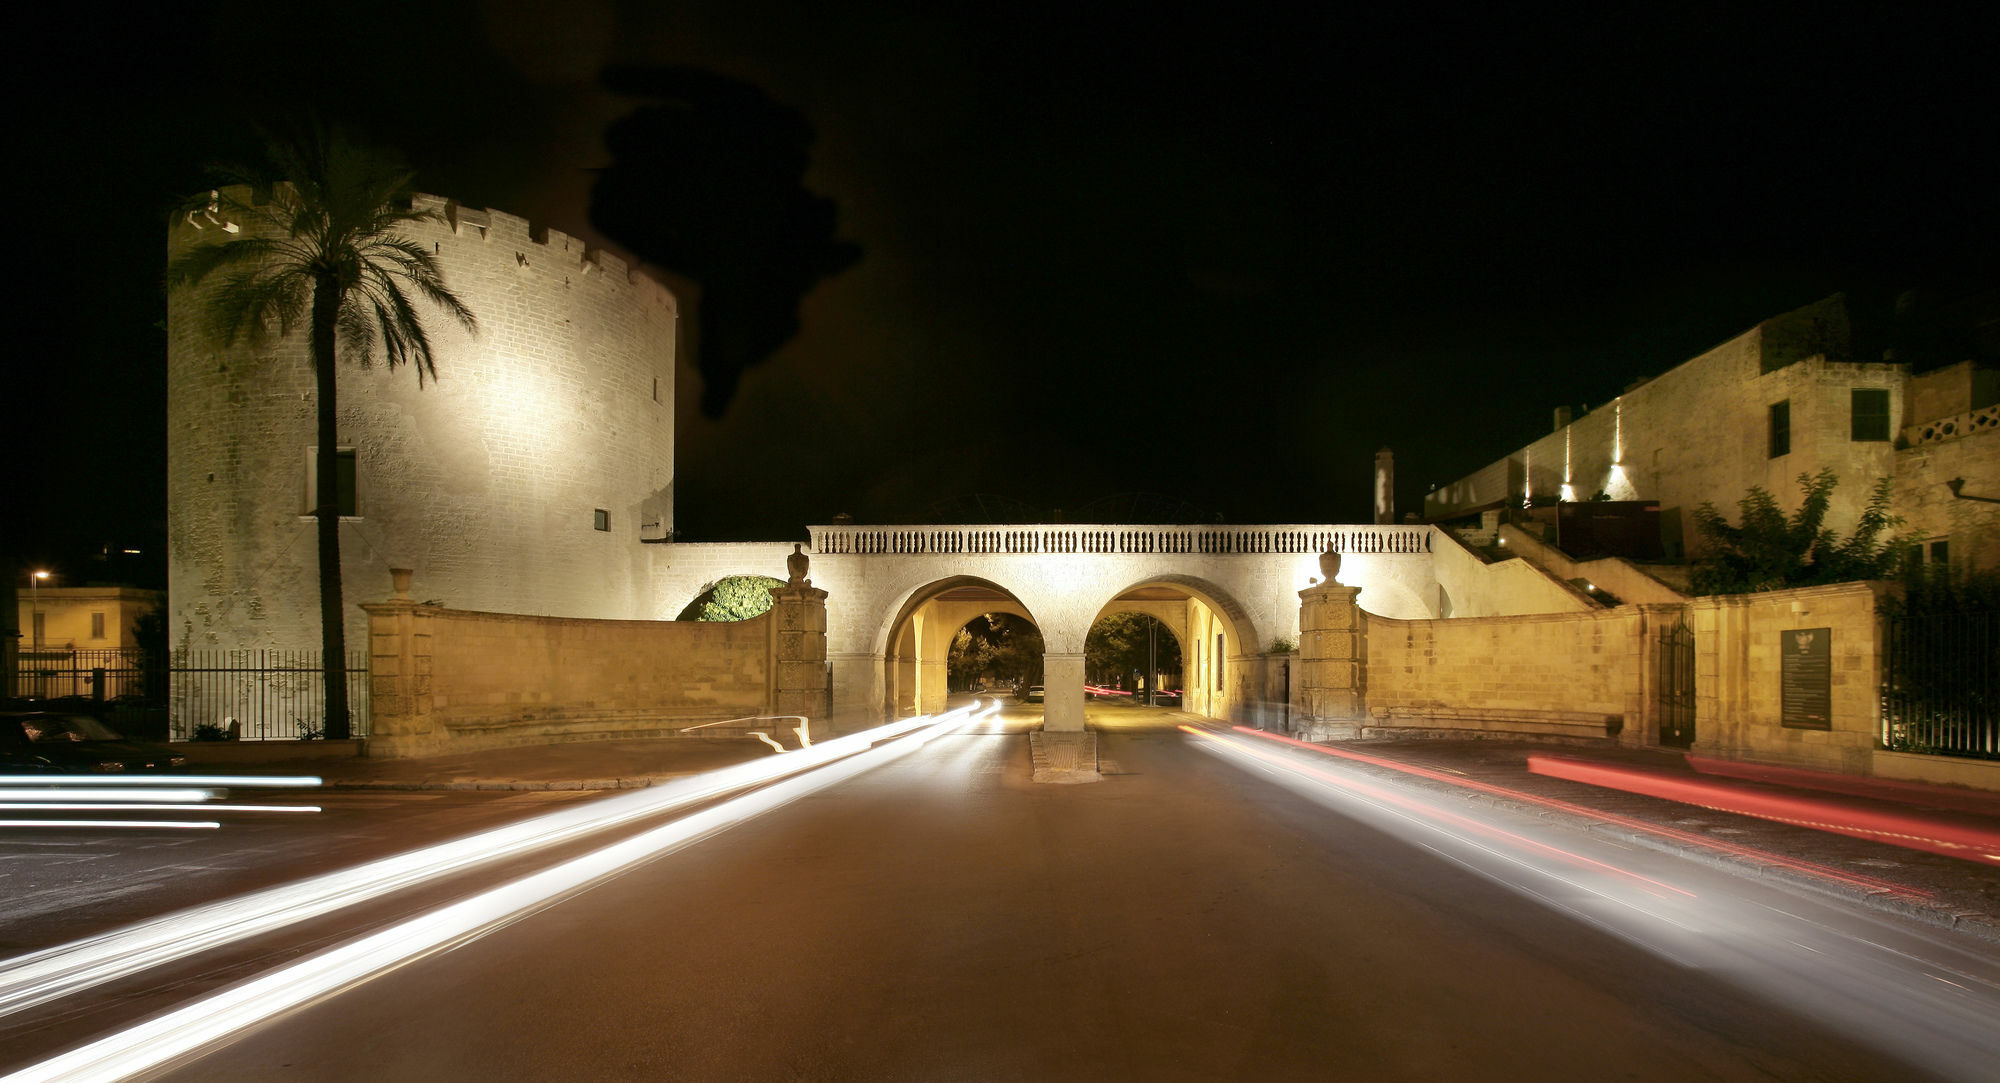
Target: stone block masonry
[486, 482]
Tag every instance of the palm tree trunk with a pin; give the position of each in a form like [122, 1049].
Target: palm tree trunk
[326, 484]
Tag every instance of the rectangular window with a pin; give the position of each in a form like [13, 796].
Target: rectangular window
[656, 389]
[1871, 413]
[601, 519]
[97, 626]
[347, 499]
[1940, 552]
[1781, 428]
[1218, 661]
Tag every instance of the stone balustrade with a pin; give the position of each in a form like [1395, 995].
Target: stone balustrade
[1118, 539]
[1985, 419]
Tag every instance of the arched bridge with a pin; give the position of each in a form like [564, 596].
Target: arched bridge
[898, 595]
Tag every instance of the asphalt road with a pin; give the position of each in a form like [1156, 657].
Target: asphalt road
[1199, 914]
[64, 884]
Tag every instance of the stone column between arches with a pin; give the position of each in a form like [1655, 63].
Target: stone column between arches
[1062, 692]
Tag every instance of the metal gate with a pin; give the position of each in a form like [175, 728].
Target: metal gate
[1676, 687]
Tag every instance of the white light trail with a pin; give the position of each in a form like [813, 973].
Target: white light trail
[192, 825]
[130, 797]
[56, 972]
[81, 806]
[217, 1017]
[267, 782]
[1873, 978]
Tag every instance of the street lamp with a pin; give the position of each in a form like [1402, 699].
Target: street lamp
[35, 606]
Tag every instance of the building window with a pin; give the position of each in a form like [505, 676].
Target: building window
[97, 626]
[656, 389]
[1218, 661]
[1781, 428]
[601, 519]
[347, 500]
[1871, 413]
[1940, 552]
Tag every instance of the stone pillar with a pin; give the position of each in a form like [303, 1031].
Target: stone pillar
[1062, 692]
[1331, 684]
[799, 676]
[401, 716]
[932, 684]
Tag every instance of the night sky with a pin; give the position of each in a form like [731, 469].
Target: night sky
[1218, 259]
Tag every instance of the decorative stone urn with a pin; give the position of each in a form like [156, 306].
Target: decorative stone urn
[1329, 566]
[401, 578]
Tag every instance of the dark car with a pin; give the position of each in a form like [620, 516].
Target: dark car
[48, 741]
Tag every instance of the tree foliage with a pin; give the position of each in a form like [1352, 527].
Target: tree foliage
[1768, 550]
[996, 647]
[1116, 647]
[733, 598]
[325, 248]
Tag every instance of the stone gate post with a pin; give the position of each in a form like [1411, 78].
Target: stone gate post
[1330, 688]
[401, 716]
[799, 667]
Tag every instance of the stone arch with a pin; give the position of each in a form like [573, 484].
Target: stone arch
[1221, 647]
[916, 640]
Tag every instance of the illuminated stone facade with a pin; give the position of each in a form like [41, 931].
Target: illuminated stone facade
[1761, 409]
[534, 479]
[525, 479]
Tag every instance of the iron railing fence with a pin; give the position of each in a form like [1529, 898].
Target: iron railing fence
[1941, 685]
[259, 695]
[80, 673]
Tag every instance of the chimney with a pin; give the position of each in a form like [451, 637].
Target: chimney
[1385, 486]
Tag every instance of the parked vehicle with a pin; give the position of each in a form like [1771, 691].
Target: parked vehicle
[1033, 694]
[39, 741]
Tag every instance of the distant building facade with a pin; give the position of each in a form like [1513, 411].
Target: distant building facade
[1782, 399]
[83, 618]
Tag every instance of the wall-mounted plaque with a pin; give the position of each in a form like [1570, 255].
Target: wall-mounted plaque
[1806, 677]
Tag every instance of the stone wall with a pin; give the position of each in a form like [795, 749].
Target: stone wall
[1740, 641]
[447, 680]
[486, 482]
[1470, 587]
[1569, 674]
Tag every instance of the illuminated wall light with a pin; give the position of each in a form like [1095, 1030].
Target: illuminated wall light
[1617, 432]
[1567, 492]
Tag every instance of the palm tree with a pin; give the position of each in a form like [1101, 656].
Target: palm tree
[325, 247]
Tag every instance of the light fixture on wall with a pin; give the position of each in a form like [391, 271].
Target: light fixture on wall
[1956, 484]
